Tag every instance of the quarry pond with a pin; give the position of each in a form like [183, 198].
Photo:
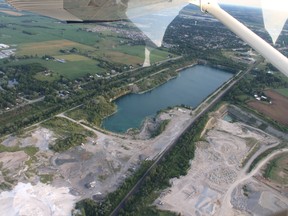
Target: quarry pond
[189, 88]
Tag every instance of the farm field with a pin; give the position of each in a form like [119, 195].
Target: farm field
[74, 69]
[49, 47]
[32, 28]
[118, 57]
[40, 36]
[35, 36]
[278, 110]
[72, 57]
[139, 51]
[69, 69]
[283, 91]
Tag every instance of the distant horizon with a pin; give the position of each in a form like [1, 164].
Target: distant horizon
[247, 3]
[247, 6]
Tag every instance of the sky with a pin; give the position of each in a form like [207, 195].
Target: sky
[275, 13]
[280, 5]
[250, 3]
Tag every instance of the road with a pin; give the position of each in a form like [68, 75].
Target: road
[201, 110]
[165, 69]
[139, 68]
[24, 104]
[226, 207]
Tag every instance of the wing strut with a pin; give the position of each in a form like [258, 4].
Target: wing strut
[266, 50]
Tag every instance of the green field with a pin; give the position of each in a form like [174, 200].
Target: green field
[36, 36]
[70, 69]
[75, 69]
[33, 28]
[72, 57]
[283, 91]
[139, 51]
[110, 50]
[52, 47]
[118, 57]
[277, 170]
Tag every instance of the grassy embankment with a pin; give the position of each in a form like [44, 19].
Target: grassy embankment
[265, 154]
[276, 170]
[161, 127]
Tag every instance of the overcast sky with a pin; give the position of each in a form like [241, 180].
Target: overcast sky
[250, 3]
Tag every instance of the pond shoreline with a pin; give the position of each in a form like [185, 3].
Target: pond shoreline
[200, 80]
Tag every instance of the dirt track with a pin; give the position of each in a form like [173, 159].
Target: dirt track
[216, 171]
[106, 160]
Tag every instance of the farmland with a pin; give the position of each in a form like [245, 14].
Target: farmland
[283, 91]
[49, 47]
[54, 90]
[32, 28]
[156, 55]
[69, 69]
[278, 110]
[119, 57]
[34, 37]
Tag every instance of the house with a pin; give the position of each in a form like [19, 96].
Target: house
[4, 46]
[263, 97]
[61, 60]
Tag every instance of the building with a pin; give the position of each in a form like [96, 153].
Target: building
[4, 46]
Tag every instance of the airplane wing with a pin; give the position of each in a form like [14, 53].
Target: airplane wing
[74, 10]
[275, 13]
[138, 11]
[89, 10]
[141, 11]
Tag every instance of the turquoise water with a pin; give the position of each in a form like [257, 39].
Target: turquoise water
[228, 118]
[190, 88]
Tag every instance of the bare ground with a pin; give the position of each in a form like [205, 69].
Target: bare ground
[103, 162]
[209, 186]
[278, 110]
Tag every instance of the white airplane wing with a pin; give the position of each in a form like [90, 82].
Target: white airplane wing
[141, 11]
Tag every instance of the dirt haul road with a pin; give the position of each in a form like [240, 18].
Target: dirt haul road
[226, 207]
